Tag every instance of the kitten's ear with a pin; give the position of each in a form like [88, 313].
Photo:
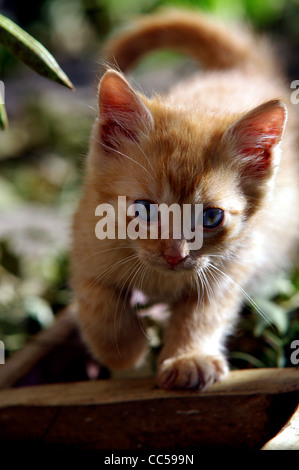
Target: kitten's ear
[122, 113]
[255, 136]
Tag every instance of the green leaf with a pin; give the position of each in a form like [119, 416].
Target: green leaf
[31, 52]
[247, 358]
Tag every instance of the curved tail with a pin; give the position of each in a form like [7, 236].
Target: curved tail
[191, 33]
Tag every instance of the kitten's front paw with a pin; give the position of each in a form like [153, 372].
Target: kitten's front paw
[191, 371]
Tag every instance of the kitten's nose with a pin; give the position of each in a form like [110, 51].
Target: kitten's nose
[173, 260]
[176, 252]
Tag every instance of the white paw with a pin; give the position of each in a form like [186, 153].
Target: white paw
[191, 371]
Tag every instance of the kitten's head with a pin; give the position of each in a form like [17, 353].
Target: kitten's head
[154, 155]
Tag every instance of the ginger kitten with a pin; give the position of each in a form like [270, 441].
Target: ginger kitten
[219, 139]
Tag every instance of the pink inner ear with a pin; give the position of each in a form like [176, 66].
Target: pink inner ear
[263, 130]
[122, 113]
[115, 96]
[256, 134]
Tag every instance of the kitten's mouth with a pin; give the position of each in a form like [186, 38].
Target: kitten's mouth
[187, 264]
[174, 265]
[178, 266]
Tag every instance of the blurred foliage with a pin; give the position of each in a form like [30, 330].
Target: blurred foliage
[41, 162]
[268, 326]
[32, 53]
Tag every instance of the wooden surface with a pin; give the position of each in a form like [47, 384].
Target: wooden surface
[288, 437]
[251, 409]
[243, 412]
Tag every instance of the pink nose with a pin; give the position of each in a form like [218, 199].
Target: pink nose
[173, 260]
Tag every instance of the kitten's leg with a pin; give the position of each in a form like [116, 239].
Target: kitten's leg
[111, 327]
[192, 356]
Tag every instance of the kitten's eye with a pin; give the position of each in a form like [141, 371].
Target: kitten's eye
[213, 218]
[146, 210]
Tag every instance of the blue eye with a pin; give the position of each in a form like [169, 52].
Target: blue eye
[146, 210]
[212, 217]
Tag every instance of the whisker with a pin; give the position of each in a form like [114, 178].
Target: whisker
[234, 259]
[196, 279]
[217, 281]
[104, 251]
[117, 312]
[110, 269]
[146, 270]
[209, 290]
[246, 295]
[140, 268]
